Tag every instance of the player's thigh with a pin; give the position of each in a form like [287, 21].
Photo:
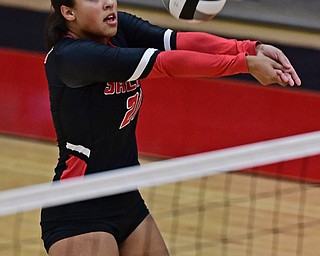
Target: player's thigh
[94, 243]
[145, 240]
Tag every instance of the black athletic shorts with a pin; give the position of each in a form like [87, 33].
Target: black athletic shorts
[118, 215]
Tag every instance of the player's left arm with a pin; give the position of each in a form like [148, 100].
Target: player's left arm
[141, 33]
[207, 43]
[212, 44]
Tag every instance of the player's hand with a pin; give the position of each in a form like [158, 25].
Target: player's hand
[288, 73]
[267, 71]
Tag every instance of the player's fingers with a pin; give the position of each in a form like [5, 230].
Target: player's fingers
[282, 75]
[276, 65]
[293, 75]
[283, 78]
[297, 80]
[283, 60]
[288, 79]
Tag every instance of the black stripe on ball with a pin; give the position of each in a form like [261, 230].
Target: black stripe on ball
[188, 9]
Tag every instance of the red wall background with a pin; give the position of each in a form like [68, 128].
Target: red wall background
[24, 98]
[178, 116]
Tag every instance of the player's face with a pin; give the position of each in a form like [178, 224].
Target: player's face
[95, 19]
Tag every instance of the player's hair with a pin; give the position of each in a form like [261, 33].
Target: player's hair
[56, 26]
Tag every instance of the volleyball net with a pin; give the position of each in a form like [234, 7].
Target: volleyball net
[256, 199]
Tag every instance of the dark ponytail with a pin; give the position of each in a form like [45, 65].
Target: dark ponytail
[56, 26]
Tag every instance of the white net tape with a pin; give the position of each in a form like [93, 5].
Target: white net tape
[159, 173]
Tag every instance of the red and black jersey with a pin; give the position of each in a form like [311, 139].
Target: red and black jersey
[95, 94]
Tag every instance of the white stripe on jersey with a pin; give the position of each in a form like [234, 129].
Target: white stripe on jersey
[79, 148]
[46, 58]
[142, 64]
[167, 39]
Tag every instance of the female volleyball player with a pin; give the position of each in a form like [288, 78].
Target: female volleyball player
[93, 69]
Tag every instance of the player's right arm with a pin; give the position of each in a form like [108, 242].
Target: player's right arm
[81, 62]
[194, 64]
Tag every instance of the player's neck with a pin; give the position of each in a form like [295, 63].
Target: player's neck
[75, 35]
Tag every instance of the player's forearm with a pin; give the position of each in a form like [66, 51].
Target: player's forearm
[194, 64]
[207, 43]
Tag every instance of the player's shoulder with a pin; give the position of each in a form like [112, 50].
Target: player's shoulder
[69, 45]
[65, 48]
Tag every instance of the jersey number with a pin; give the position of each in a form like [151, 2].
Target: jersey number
[133, 106]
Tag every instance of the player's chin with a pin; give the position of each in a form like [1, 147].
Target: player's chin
[111, 31]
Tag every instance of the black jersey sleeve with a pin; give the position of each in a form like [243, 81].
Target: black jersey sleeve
[83, 62]
[141, 33]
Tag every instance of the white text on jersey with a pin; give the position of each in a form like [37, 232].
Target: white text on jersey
[120, 87]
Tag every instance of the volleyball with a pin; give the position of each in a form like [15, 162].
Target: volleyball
[194, 10]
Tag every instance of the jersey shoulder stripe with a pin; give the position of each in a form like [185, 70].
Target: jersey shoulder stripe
[145, 60]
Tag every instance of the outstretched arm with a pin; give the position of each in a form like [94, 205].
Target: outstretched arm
[212, 44]
[207, 43]
[190, 64]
